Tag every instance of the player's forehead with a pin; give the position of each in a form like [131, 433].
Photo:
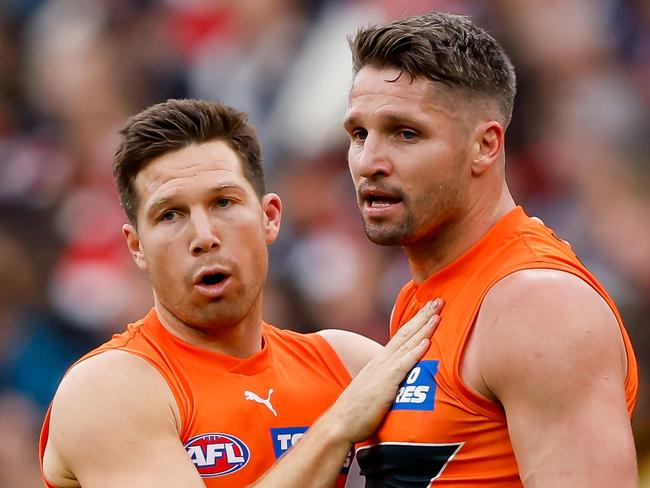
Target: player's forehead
[194, 168]
[392, 95]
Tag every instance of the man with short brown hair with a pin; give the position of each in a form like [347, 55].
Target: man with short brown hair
[201, 391]
[530, 378]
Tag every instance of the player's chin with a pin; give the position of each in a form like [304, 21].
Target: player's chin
[201, 306]
[212, 317]
[384, 234]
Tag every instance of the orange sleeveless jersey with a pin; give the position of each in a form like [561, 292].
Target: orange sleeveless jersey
[238, 416]
[438, 432]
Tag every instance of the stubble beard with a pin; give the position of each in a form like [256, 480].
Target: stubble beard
[223, 312]
[386, 234]
[423, 218]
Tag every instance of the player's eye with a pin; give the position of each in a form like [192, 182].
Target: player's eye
[408, 134]
[358, 134]
[168, 215]
[223, 202]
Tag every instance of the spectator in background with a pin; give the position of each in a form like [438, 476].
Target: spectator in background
[18, 412]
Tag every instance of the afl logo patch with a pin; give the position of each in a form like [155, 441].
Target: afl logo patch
[217, 454]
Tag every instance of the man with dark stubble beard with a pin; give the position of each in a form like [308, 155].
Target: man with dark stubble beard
[530, 379]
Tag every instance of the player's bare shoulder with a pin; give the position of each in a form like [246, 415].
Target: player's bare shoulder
[542, 322]
[100, 403]
[354, 349]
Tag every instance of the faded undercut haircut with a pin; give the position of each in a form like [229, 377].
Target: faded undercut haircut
[173, 125]
[443, 48]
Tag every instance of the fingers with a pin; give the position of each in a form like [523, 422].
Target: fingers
[407, 361]
[538, 220]
[425, 332]
[364, 403]
[412, 350]
[415, 325]
[409, 344]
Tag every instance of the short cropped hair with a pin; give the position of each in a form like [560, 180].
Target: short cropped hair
[441, 47]
[173, 125]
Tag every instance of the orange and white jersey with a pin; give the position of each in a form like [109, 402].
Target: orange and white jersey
[238, 415]
[439, 432]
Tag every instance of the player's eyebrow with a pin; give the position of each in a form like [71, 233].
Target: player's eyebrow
[159, 202]
[390, 118]
[226, 186]
[170, 199]
[398, 119]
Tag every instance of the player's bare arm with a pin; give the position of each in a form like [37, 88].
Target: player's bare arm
[549, 349]
[115, 423]
[354, 350]
[317, 459]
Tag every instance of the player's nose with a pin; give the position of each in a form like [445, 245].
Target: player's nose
[373, 158]
[205, 236]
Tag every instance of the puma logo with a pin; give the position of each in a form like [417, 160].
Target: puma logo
[249, 395]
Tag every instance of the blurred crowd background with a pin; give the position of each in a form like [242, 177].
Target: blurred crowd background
[72, 71]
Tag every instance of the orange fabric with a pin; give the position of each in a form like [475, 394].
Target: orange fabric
[469, 431]
[231, 439]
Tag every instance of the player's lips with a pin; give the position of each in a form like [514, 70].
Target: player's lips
[376, 202]
[211, 281]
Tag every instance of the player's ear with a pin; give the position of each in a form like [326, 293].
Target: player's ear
[272, 210]
[135, 245]
[488, 146]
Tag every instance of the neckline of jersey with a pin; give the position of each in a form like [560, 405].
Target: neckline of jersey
[252, 365]
[490, 240]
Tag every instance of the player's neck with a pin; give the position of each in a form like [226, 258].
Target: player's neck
[433, 254]
[242, 339]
